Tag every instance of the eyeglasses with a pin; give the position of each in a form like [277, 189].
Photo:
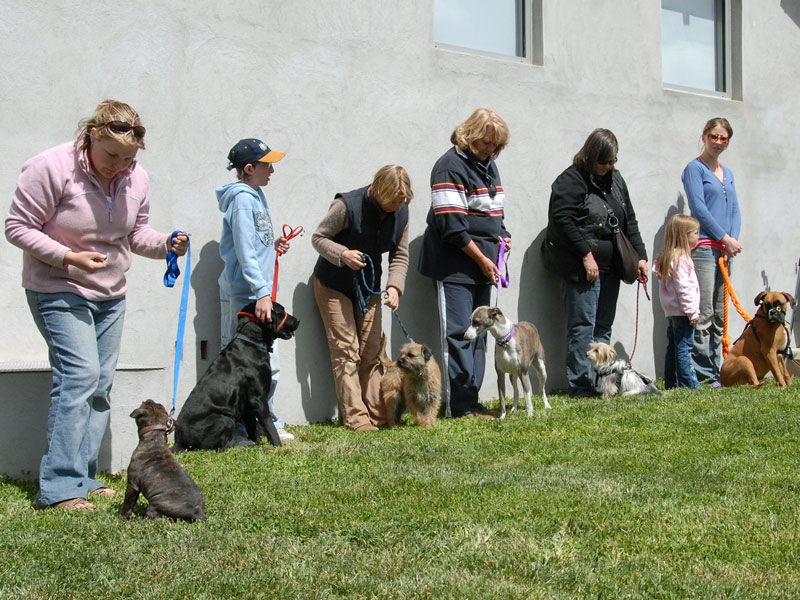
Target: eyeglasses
[125, 127]
[718, 138]
[607, 163]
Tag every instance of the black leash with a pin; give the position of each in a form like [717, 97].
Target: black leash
[363, 300]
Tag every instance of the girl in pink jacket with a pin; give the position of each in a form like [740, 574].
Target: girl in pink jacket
[680, 298]
[79, 211]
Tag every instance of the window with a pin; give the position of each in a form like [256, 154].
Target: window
[695, 44]
[507, 28]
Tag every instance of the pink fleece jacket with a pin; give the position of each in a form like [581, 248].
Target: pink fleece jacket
[60, 206]
[680, 294]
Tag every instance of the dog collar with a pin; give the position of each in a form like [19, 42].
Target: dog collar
[254, 319]
[149, 428]
[504, 342]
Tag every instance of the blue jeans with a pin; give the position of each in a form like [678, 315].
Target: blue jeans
[707, 348]
[83, 338]
[229, 307]
[678, 370]
[591, 308]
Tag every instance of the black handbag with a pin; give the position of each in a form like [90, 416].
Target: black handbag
[625, 260]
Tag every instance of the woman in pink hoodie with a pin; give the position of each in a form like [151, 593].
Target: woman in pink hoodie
[680, 298]
[79, 211]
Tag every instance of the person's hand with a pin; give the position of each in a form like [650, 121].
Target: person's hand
[508, 243]
[392, 297]
[86, 261]
[592, 270]
[352, 258]
[732, 246]
[693, 322]
[489, 270]
[181, 244]
[643, 273]
[282, 245]
[264, 309]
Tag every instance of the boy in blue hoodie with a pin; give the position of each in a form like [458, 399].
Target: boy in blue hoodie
[248, 246]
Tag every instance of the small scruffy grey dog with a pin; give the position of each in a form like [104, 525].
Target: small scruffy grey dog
[616, 376]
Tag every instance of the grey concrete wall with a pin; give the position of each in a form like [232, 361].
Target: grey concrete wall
[345, 87]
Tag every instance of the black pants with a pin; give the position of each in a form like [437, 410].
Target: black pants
[464, 360]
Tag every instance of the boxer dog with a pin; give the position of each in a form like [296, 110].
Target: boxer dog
[763, 346]
[518, 348]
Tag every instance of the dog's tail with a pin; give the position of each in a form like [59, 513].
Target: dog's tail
[382, 356]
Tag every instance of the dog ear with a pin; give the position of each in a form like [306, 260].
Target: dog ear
[138, 412]
[789, 298]
[427, 353]
[494, 312]
[760, 297]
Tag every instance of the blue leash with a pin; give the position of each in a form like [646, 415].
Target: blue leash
[363, 301]
[170, 277]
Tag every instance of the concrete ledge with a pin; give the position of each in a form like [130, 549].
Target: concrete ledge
[25, 402]
[36, 366]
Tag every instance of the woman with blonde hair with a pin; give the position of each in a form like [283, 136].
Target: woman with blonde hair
[680, 298]
[79, 211]
[461, 246]
[712, 199]
[359, 228]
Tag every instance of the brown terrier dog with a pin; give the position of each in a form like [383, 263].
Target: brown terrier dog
[762, 346]
[156, 474]
[413, 382]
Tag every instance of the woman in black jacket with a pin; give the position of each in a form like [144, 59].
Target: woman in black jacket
[579, 248]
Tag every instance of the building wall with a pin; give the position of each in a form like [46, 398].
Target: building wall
[344, 87]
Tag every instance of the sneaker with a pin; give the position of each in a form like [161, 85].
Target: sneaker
[716, 384]
[284, 435]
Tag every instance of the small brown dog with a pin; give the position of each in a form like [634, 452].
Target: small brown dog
[156, 474]
[762, 345]
[413, 382]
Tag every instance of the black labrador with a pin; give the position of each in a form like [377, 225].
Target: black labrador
[154, 472]
[235, 386]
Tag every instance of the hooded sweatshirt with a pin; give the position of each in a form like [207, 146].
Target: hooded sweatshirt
[60, 206]
[247, 244]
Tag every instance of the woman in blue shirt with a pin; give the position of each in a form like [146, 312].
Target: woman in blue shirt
[712, 200]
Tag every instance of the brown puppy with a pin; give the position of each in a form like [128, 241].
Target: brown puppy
[762, 345]
[413, 382]
[156, 474]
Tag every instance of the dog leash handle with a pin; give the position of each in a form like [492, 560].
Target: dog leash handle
[505, 281]
[181, 314]
[288, 233]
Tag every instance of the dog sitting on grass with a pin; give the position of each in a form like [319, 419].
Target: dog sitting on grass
[616, 376]
[154, 472]
[413, 382]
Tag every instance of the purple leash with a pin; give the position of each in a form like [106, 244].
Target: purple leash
[505, 281]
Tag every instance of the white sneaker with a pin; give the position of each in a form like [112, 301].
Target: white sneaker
[284, 435]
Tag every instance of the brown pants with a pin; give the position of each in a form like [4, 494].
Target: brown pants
[354, 342]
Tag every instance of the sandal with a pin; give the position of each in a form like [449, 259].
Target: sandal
[103, 490]
[72, 504]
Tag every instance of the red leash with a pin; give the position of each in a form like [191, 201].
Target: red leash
[288, 233]
[639, 286]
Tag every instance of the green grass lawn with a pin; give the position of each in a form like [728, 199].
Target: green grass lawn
[691, 495]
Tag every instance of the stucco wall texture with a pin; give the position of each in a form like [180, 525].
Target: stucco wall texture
[344, 87]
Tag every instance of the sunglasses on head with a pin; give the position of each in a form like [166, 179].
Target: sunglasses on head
[125, 127]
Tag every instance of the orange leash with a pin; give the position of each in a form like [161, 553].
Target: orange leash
[726, 340]
[288, 233]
